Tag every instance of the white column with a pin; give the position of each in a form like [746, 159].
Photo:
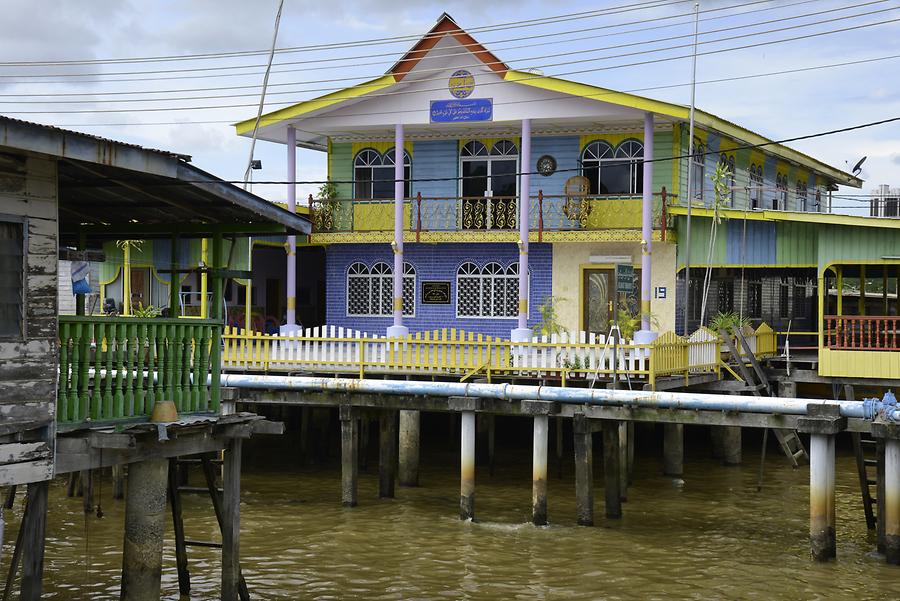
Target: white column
[539, 471]
[291, 318]
[398, 329]
[821, 496]
[892, 500]
[522, 332]
[645, 335]
[467, 466]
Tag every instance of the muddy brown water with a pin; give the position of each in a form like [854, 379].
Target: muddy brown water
[708, 536]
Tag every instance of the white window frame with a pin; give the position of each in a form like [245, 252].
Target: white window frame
[474, 150]
[494, 281]
[781, 188]
[802, 196]
[380, 276]
[369, 158]
[697, 163]
[755, 187]
[598, 152]
[731, 179]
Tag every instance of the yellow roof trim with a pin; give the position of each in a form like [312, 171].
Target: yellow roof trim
[301, 108]
[736, 131]
[795, 216]
[573, 88]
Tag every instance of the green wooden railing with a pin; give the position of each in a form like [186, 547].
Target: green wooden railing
[118, 367]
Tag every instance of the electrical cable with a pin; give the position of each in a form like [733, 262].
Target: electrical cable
[442, 70]
[535, 77]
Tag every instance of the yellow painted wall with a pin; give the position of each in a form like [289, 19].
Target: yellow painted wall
[568, 257]
[859, 364]
[377, 216]
[619, 214]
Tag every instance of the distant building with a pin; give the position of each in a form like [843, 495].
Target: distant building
[885, 202]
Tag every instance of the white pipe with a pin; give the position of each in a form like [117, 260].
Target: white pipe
[516, 392]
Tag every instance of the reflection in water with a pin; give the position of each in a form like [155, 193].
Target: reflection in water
[711, 536]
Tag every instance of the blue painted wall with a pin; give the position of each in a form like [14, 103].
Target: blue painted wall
[756, 246]
[434, 262]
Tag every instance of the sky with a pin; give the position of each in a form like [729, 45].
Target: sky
[188, 106]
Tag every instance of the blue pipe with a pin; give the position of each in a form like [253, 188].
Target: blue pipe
[886, 408]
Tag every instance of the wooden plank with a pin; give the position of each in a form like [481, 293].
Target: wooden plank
[26, 472]
[23, 451]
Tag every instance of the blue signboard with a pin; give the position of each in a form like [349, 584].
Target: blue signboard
[468, 109]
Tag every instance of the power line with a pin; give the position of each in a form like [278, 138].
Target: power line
[443, 69]
[594, 95]
[564, 170]
[390, 54]
[373, 41]
[535, 77]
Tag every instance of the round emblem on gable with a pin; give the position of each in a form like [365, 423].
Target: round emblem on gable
[461, 84]
[546, 165]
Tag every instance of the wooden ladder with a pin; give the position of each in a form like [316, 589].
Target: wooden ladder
[176, 489]
[868, 454]
[757, 381]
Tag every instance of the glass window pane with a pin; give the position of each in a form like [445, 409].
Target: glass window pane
[591, 170]
[503, 178]
[474, 178]
[363, 186]
[614, 177]
[383, 183]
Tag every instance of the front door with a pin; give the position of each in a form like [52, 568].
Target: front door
[597, 287]
[489, 187]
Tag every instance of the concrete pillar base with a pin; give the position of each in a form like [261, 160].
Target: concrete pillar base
[673, 450]
[467, 467]
[521, 335]
[145, 512]
[539, 470]
[397, 332]
[409, 447]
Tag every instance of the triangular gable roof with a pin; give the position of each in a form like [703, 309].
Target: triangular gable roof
[445, 26]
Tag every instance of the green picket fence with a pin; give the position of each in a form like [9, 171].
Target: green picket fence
[118, 367]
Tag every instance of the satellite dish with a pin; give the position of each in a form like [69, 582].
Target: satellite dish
[857, 168]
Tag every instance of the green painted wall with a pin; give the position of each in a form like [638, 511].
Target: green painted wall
[796, 243]
[340, 163]
[700, 234]
[843, 244]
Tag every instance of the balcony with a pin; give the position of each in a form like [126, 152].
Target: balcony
[860, 346]
[435, 215]
[116, 368]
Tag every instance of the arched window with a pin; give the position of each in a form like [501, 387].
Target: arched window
[698, 169]
[370, 290]
[756, 186]
[489, 291]
[730, 180]
[489, 173]
[373, 174]
[801, 196]
[781, 185]
[619, 171]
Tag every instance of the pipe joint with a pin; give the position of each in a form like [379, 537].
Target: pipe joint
[885, 409]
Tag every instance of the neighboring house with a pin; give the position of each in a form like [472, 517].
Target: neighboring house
[466, 120]
[885, 202]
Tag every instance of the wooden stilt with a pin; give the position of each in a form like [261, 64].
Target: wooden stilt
[349, 456]
[87, 483]
[559, 447]
[387, 453]
[34, 525]
[209, 473]
[11, 497]
[612, 463]
[72, 484]
[584, 470]
[232, 580]
[118, 481]
[15, 559]
[184, 575]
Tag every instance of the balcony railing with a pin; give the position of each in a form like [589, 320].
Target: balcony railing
[862, 333]
[441, 214]
[117, 367]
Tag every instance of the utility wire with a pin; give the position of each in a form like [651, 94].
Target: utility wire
[534, 77]
[442, 70]
[593, 95]
[373, 41]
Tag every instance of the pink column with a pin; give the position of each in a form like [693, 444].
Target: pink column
[522, 332]
[647, 223]
[398, 329]
[291, 319]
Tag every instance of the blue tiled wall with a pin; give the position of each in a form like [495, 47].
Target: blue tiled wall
[434, 262]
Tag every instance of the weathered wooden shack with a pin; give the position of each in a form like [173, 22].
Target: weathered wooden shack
[76, 392]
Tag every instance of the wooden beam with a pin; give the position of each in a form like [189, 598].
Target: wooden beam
[231, 521]
[34, 525]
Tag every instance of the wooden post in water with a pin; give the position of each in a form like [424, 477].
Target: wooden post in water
[409, 447]
[34, 527]
[612, 468]
[673, 450]
[888, 435]
[731, 445]
[349, 456]
[387, 453]
[145, 512]
[87, 487]
[584, 470]
[822, 423]
[541, 411]
[118, 481]
[231, 520]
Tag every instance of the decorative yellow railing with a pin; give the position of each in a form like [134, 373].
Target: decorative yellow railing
[469, 355]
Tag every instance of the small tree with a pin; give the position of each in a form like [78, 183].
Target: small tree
[549, 324]
[721, 193]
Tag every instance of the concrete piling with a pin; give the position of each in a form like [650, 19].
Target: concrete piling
[612, 469]
[822, 423]
[673, 450]
[622, 437]
[118, 481]
[410, 425]
[467, 467]
[821, 497]
[539, 471]
[387, 453]
[349, 456]
[892, 501]
[145, 512]
[731, 445]
[584, 470]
